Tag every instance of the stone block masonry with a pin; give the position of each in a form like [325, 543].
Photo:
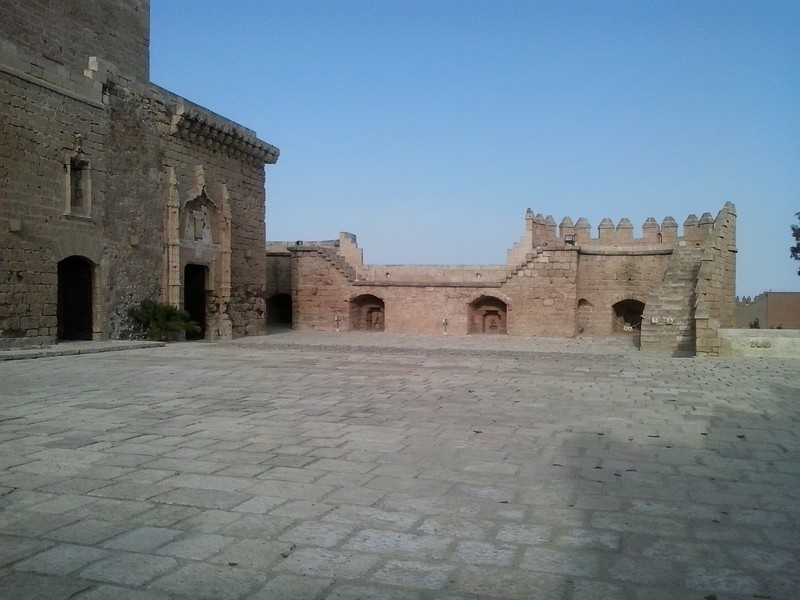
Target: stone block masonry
[670, 292]
[115, 190]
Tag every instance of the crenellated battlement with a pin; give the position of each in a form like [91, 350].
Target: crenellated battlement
[541, 231]
[544, 229]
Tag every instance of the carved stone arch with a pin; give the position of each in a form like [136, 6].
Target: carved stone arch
[90, 251]
[367, 313]
[488, 314]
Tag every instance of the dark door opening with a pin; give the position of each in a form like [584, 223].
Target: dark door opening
[628, 315]
[194, 298]
[279, 310]
[74, 310]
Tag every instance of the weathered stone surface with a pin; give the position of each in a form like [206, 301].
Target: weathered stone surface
[622, 475]
[112, 186]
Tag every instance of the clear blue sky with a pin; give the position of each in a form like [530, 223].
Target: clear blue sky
[428, 127]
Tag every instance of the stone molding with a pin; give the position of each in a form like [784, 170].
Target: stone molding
[200, 128]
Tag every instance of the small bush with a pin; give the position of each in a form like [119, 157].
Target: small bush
[161, 321]
[754, 324]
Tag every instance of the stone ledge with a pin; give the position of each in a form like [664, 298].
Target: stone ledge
[74, 348]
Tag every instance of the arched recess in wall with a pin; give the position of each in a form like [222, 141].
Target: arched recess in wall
[584, 316]
[279, 310]
[488, 314]
[367, 313]
[74, 312]
[627, 315]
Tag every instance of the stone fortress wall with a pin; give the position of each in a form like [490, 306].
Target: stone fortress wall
[114, 189]
[673, 291]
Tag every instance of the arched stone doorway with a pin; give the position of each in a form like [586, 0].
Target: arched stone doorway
[367, 313]
[627, 316]
[195, 301]
[279, 310]
[488, 314]
[74, 310]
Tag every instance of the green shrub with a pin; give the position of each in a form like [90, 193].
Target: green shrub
[161, 321]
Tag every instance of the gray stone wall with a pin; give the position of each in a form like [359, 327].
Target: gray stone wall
[116, 140]
[68, 32]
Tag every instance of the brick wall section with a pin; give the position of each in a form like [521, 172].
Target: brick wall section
[541, 294]
[68, 32]
[716, 287]
[46, 108]
[320, 291]
[668, 323]
[136, 126]
[607, 277]
[550, 287]
[279, 271]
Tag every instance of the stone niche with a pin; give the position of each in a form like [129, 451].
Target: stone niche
[367, 313]
[488, 315]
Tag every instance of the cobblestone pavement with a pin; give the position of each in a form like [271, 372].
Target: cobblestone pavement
[371, 466]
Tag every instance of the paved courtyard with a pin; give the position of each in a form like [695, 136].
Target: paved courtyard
[372, 466]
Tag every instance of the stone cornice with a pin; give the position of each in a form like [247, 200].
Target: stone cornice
[199, 127]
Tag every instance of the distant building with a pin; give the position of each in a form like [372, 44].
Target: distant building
[674, 292]
[115, 190]
[772, 310]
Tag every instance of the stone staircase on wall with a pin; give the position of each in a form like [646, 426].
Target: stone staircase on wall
[668, 319]
[518, 269]
[338, 261]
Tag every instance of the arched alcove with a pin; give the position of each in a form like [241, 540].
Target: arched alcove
[627, 315]
[488, 314]
[367, 313]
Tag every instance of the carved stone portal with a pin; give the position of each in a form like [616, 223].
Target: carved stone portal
[198, 235]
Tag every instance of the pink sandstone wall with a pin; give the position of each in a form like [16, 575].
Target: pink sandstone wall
[553, 285]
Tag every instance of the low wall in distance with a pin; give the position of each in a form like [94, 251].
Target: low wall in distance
[767, 343]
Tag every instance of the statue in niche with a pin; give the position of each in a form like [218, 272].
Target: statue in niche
[198, 223]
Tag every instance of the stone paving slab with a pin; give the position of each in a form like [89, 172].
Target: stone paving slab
[327, 466]
[73, 348]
